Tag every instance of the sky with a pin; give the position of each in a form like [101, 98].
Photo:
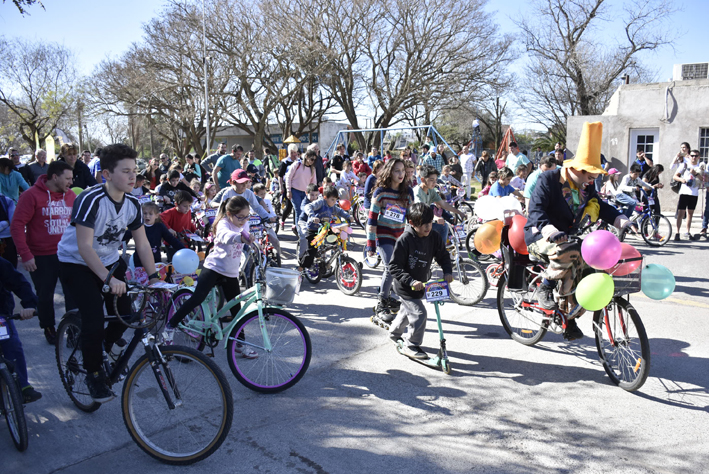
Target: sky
[97, 29]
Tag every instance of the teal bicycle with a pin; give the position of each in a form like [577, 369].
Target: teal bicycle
[268, 348]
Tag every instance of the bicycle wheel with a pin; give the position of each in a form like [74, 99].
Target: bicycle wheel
[622, 344]
[467, 209]
[470, 247]
[371, 262]
[11, 399]
[281, 367]
[656, 230]
[524, 326]
[70, 362]
[362, 215]
[186, 338]
[348, 276]
[202, 417]
[313, 274]
[469, 284]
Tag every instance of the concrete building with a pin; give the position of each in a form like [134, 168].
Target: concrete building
[236, 136]
[656, 118]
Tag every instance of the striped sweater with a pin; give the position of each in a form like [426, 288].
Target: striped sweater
[387, 217]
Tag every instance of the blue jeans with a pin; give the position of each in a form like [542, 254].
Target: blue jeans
[297, 200]
[386, 251]
[628, 202]
[705, 219]
[12, 350]
[442, 230]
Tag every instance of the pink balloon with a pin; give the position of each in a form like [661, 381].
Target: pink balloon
[601, 249]
[625, 268]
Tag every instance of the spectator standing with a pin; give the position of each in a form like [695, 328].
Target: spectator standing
[7, 245]
[11, 181]
[435, 160]
[83, 178]
[373, 156]
[467, 163]
[39, 167]
[690, 175]
[95, 167]
[301, 174]
[226, 165]
[41, 217]
[484, 167]
[516, 158]
[211, 161]
[86, 157]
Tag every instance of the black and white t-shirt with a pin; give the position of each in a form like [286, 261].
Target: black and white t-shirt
[94, 208]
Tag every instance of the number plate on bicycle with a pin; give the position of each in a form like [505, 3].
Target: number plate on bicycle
[143, 199]
[210, 213]
[650, 201]
[4, 333]
[437, 291]
[460, 231]
[360, 190]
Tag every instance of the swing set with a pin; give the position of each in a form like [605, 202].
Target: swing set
[343, 135]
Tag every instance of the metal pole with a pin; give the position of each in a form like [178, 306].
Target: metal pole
[206, 89]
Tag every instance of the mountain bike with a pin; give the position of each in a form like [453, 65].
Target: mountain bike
[331, 259]
[280, 342]
[11, 401]
[621, 340]
[176, 403]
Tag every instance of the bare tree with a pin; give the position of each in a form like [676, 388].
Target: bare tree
[37, 86]
[574, 61]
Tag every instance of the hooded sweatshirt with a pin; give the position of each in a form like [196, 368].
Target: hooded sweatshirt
[45, 215]
[412, 259]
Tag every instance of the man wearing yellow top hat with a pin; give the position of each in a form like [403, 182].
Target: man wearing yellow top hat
[558, 204]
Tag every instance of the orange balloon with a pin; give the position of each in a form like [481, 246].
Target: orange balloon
[487, 237]
[516, 234]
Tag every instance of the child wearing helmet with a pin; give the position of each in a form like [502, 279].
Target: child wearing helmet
[323, 209]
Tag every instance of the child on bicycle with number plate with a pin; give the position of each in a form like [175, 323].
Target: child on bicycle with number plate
[12, 281]
[221, 267]
[321, 210]
[410, 266]
[312, 193]
[89, 248]
[260, 192]
[558, 204]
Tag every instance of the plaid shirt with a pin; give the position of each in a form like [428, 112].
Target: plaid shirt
[436, 162]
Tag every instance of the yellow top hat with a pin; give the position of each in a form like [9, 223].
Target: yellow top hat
[588, 154]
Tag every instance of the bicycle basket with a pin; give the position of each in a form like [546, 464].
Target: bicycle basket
[282, 285]
[629, 283]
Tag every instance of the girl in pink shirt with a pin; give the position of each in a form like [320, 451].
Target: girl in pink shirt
[221, 267]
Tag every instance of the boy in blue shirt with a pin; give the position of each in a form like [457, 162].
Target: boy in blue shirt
[502, 187]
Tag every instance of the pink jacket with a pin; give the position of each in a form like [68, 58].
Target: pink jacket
[300, 176]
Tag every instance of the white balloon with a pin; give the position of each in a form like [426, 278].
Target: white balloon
[185, 261]
[508, 203]
[486, 208]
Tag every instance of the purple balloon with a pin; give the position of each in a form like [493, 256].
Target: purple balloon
[601, 249]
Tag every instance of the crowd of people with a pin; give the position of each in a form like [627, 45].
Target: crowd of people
[75, 240]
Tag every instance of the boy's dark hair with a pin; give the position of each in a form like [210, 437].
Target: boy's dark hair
[112, 154]
[521, 168]
[548, 160]
[330, 191]
[504, 173]
[236, 148]
[57, 167]
[98, 151]
[182, 196]
[311, 188]
[420, 214]
[139, 177]
[173, 174]
[425, 147]
[6, 163]
[513, 144]
[429, 170]
[86, 151]
[258, 188]
[636, 168]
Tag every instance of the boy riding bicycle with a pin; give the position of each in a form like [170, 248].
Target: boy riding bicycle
[89, 248]
[560, 200]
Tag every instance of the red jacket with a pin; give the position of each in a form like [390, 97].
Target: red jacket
[177, 221]
[45, 216]
[361, 168]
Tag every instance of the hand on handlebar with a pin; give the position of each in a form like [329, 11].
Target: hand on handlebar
[558, 237]
[448, 278]
[316, 220]
[418, 286]
[117, 287]
[27, 313]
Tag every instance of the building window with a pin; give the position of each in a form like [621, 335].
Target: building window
[646, 143]
[694, 71]
[704, 143]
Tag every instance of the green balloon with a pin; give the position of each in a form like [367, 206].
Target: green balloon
[595, 291]
[77, 190]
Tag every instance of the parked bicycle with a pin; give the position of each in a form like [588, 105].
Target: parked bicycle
[621, 340]
[279, 341]
[177, 404]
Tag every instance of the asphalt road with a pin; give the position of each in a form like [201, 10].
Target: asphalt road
[361, 407]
